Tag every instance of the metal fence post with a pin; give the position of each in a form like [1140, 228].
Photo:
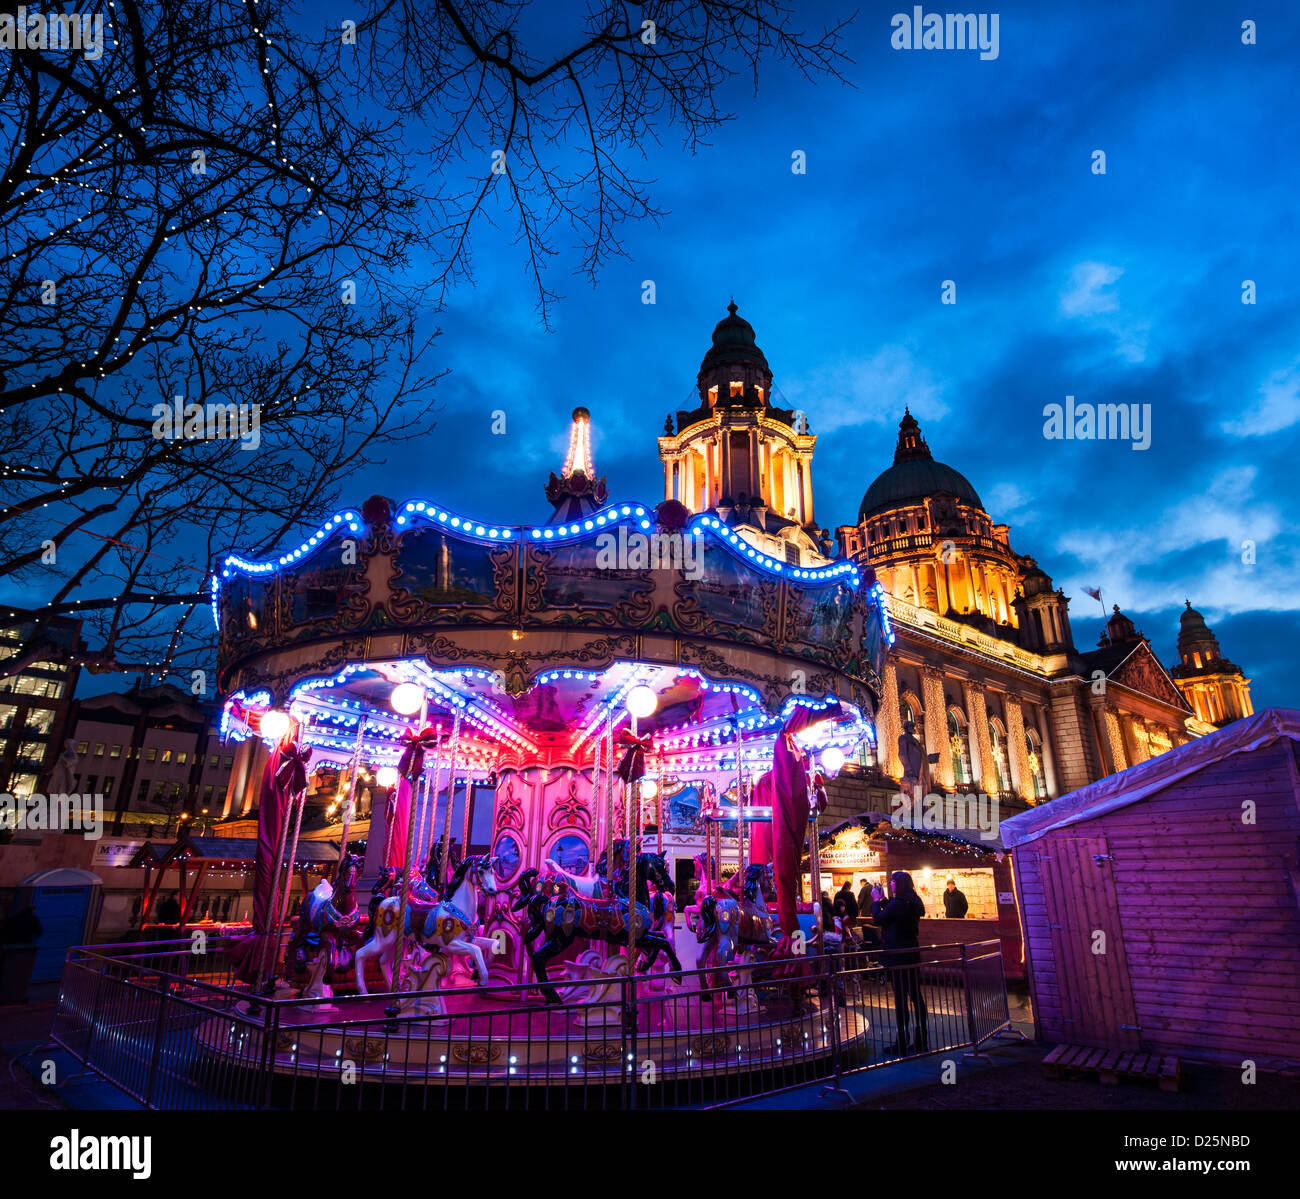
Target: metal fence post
[833, 978]
[270, 1037]
[164, 991]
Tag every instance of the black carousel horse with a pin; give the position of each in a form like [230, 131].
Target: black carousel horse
[563, 916]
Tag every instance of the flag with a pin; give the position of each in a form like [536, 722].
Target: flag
[1095, 592]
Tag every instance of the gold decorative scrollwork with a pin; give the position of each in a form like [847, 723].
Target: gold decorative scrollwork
[476, 1054]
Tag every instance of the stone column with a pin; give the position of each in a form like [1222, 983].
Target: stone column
[936, 726]
[977, 711]
[1017, 754]
[1115, 739]
[889, 724]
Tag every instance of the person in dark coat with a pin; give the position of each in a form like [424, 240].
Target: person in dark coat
[169, 912]
[955, 906]
[22, 928]
[899, 919]
[864, 897]
[846, 903]
[828, 914]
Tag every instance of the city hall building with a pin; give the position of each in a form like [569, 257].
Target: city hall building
[985, 664]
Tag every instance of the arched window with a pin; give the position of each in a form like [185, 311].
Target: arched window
[998, 742]
[909, 708]
[1034, 754]
[961, 769]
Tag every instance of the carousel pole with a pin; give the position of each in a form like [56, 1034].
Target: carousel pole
[599, 749]
[659, 807]
[301, 802]
[410, 853]
[609, 803]
[352, 791]
[274, 905]
[740, 807]
[444, 867]
[469, 786]
[430, 811]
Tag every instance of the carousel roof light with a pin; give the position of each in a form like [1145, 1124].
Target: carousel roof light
[407, 698]
[641, 701]
[274, 724]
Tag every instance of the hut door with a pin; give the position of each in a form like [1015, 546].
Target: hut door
[1087, 942]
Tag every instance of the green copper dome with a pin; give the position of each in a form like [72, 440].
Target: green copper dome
[914, 476]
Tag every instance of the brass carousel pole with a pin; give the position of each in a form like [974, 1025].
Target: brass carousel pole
[659, 807]
[740, 807]
[445, 865]
[301, 801]
[469, 786]
[609, 803]
[410, 853]
[352, 791]
[598, 751]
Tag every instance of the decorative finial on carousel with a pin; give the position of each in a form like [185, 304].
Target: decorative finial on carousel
[576, 491]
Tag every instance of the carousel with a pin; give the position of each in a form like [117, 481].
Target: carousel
[567, 723]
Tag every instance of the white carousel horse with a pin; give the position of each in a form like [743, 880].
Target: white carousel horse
[447, 927]
[589, 886]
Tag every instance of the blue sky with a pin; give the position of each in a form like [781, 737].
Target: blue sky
[935, 165]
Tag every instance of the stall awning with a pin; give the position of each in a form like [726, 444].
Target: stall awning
[228, 849]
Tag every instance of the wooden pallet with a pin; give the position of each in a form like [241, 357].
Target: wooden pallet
[1110, 1065]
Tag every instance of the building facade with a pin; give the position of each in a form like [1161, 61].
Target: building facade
[985, 667]
[155, 754]
[38, 675]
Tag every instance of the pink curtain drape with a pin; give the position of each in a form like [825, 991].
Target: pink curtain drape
[790, 811]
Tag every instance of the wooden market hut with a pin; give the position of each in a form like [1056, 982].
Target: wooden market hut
[192, 858]
[1162, 904]
[871, 846]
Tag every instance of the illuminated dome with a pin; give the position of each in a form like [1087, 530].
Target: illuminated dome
[915, 476]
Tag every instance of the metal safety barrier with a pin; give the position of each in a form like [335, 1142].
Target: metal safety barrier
[172, 1029]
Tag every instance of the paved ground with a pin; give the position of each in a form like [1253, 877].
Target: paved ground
[1020, 1083]
[22, 1024]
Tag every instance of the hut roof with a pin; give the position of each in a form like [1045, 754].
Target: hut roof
[1156, 774]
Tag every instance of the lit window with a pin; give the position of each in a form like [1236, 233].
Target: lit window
[82, 746]
[166, 755]
[151, 755]
[99, 749]
[115, 751]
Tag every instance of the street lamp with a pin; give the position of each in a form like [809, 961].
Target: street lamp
[832, 760]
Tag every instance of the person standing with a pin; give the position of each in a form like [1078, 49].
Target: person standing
[899, 919]
[955, 906]
[864, 896]
[170, 910]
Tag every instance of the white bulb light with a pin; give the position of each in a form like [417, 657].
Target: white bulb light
[649, 788]
[387, 776]
[641, 701]
[274, 724]
[832, 759]
[407, 698]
